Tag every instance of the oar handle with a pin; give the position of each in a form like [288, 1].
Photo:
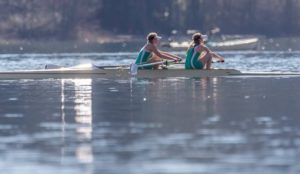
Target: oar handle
[134, 67]
[167, 63]
[180, 63]
[219, 61]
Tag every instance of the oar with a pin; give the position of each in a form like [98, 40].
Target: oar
[52, 66]
[219, 61]
[134, 67]
[182, 63]
[110, 66]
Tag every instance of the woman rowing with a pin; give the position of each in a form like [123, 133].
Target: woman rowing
[151, 54]
[195, 59]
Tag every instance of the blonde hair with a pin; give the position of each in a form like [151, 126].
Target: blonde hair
[151, 36]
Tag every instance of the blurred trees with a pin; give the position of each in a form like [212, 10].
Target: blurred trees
[46, 19]
[65, 19]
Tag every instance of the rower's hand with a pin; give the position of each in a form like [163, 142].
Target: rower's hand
[221, 60]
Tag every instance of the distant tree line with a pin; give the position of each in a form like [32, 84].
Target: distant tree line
[65, 19]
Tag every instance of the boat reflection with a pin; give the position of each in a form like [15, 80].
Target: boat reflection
[199, 96]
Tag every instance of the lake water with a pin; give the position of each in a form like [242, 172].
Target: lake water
[151, 126]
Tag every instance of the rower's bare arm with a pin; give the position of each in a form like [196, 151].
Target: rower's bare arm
[161, 54]
[172, 55]
[213, 54]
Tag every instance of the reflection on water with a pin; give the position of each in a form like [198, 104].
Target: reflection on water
[83, 117]
[173, 125]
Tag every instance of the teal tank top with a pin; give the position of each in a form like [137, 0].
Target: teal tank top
[192, 59]
[143, 57]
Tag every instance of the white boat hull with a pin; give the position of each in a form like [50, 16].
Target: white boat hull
[123, 73]
[114, 73]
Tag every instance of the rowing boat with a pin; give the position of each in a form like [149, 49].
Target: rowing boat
[113, 73]
[125, 72]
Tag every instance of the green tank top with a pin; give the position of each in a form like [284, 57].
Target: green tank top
[192, 59]
[143, 57]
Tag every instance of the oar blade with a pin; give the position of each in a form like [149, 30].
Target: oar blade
[134, 69]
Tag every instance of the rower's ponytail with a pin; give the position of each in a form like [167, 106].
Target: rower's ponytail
[197, 39]
[196, 42]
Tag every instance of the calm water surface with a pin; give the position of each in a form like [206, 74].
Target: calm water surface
[151, 126]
